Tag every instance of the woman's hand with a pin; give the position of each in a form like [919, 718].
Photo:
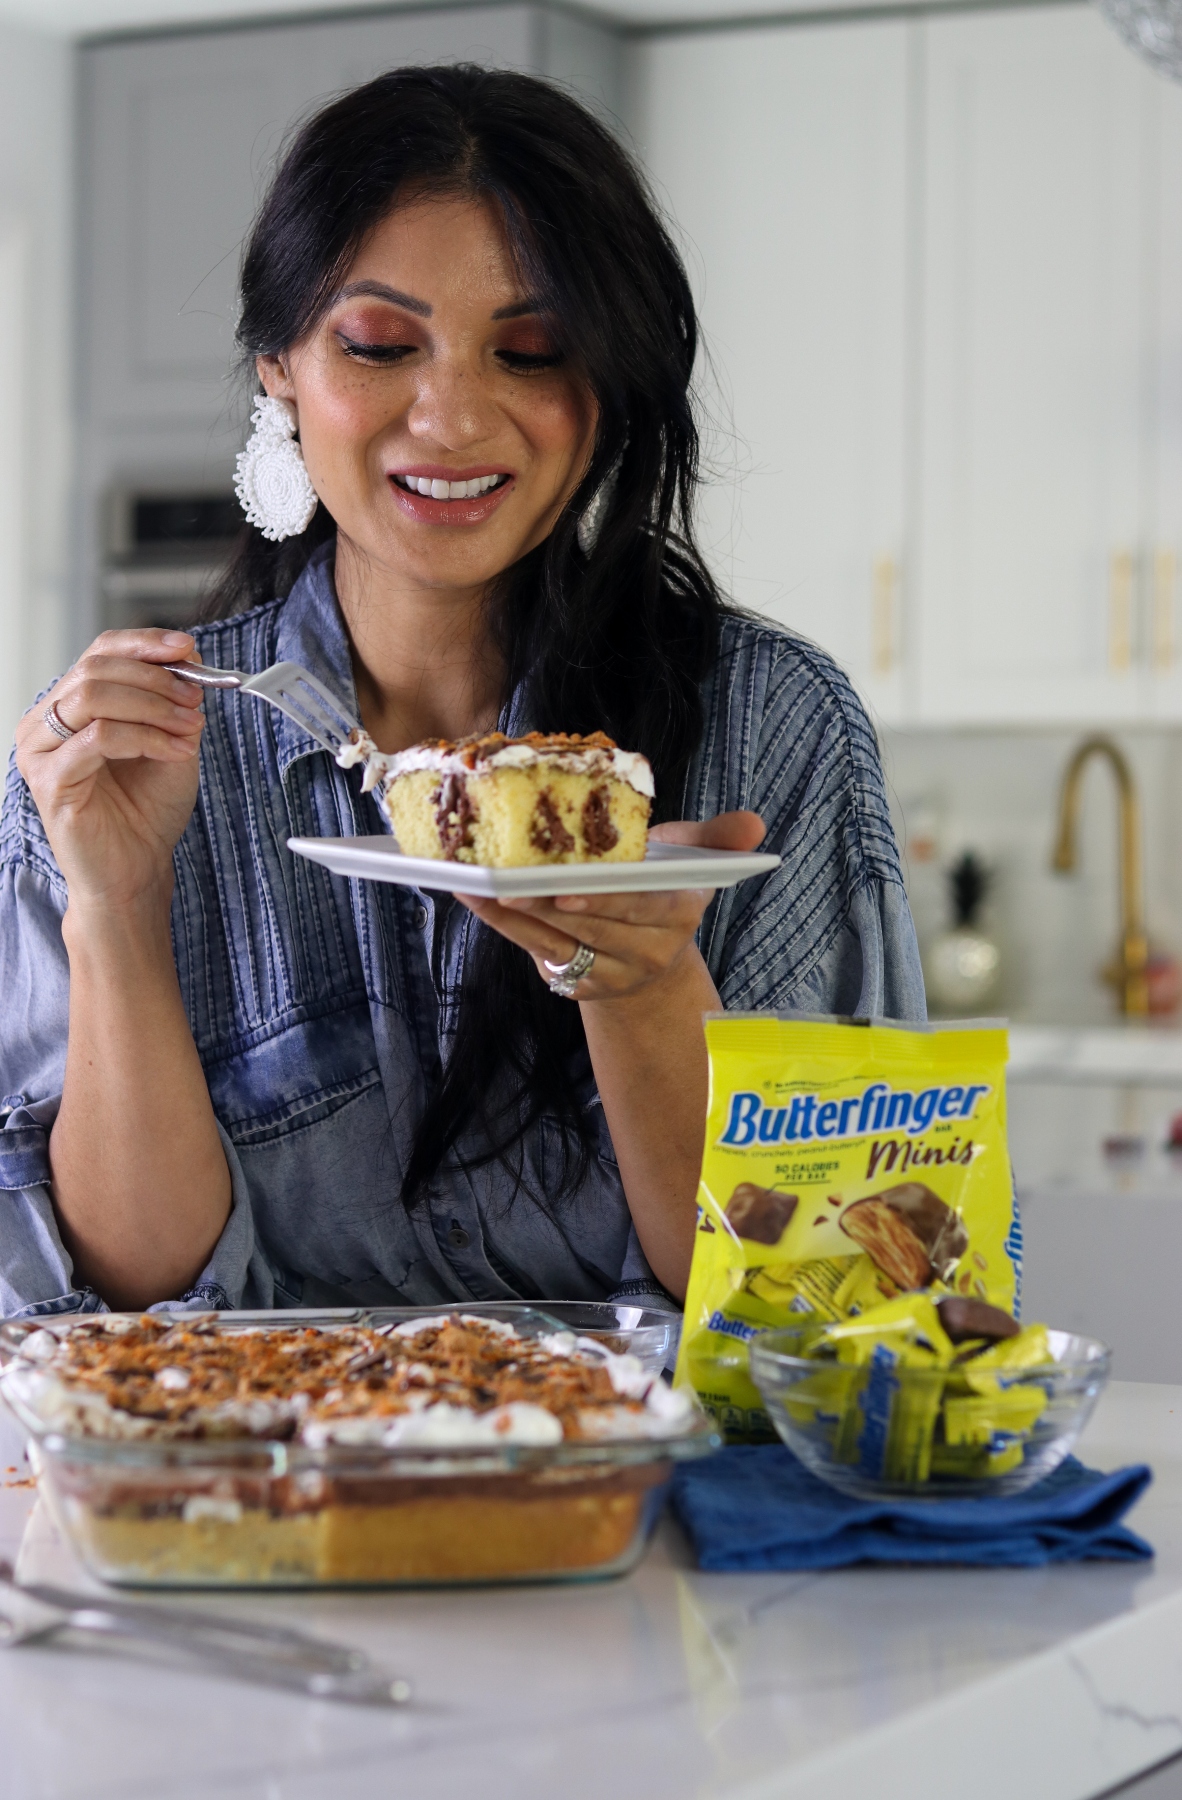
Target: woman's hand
[115, 797]
[140, 1206]
[642, 1002]
[638, 939]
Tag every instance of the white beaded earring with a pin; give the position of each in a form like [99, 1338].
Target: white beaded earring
[271, 482]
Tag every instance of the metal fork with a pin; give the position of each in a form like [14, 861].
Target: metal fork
[289, 687]
[269, 1653]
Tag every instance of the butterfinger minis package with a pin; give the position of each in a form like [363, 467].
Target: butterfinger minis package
[846, 1162]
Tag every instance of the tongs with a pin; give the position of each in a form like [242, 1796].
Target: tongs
[291, 688]
[267, 1653]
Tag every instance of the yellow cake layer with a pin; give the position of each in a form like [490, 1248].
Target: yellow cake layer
[464, 1538]
[516, 817]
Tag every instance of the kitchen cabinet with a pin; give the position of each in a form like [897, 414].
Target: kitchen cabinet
[782, 155]
[940, 271]
[179, 136]
[1042, 165]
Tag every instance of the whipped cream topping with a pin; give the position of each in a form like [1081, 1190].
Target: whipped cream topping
[479, 756]
[447, 1381]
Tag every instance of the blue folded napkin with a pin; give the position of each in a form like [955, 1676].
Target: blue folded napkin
[754, 1506]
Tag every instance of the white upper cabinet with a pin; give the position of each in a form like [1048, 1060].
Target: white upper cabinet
[1160, 569]
[1041, 165]
[940, 271]
[781, 155]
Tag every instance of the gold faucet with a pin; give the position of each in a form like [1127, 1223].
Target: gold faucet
[1127, 971]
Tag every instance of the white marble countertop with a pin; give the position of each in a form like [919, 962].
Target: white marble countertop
[893, 1683]
[1096, 1054]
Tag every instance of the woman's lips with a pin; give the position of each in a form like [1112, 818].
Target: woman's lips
[471, 509]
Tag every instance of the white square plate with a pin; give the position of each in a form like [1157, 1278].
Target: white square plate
[666, 866]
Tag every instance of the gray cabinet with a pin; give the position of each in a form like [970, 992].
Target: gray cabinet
[179, 136]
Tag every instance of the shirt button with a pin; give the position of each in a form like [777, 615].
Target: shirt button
[420, 916]
[458, 1237]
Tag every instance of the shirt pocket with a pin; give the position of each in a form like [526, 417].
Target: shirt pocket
[296, 1078]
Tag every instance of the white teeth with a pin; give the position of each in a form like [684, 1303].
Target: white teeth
[450, 490]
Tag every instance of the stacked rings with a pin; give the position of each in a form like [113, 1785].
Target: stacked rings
[57, 724]
[565, 977]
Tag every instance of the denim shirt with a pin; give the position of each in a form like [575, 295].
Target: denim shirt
[322, 1008]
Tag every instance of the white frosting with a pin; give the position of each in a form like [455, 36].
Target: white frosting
[211, 1506]
[448, 1427]
[411, 1328]
[625, 765]
[76, 1411]
[423, 1421]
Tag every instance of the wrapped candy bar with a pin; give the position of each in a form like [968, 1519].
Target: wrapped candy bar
[955, 1414]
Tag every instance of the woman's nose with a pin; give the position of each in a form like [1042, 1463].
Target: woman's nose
[451, 407]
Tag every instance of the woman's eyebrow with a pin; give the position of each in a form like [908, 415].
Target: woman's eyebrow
[377, 290]
[519, 309]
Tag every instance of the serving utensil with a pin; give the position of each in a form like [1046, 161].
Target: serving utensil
[291, 688]
[273, 1654]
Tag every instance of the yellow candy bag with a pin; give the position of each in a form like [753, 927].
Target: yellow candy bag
[846, 1162]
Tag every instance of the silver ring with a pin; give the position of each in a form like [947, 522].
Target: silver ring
[565, 977]
[57, 724]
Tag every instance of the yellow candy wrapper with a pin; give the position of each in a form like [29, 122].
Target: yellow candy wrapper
[847, 1162]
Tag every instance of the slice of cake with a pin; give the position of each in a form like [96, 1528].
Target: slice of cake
[508, 802]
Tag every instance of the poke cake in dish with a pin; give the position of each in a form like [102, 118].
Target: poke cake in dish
[512, 802]
[199, 1450]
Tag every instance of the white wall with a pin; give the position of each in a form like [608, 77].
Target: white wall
[36, 152]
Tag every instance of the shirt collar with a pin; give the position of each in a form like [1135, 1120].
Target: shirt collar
[312, 633]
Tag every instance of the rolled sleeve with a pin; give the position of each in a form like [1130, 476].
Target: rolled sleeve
[36, 1271]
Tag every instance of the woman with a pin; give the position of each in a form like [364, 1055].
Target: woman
[237, 1080]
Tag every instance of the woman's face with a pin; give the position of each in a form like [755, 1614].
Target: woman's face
[434, 366]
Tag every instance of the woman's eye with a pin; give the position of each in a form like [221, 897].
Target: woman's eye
[377, 353]
[527, 360]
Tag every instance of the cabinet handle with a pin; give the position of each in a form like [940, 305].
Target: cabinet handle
[883, 606]
[1165, 570]
[1120, 613]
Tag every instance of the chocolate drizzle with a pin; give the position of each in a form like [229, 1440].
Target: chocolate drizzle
[454, 815]
[547, 832]
[599, 834]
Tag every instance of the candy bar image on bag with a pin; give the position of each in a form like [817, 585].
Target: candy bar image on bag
[910, 1233]
[760, 1213]
[845, 1164]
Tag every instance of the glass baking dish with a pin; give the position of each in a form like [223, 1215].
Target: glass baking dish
[650, 1335]
[249, 1512]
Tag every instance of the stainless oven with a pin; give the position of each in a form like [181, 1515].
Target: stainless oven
[163, 552]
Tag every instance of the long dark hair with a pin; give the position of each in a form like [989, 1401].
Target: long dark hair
[618, 640]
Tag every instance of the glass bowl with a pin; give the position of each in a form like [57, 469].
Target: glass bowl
[257, 1512]
[921, 1434]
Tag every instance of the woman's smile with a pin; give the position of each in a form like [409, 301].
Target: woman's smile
[434, 495]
